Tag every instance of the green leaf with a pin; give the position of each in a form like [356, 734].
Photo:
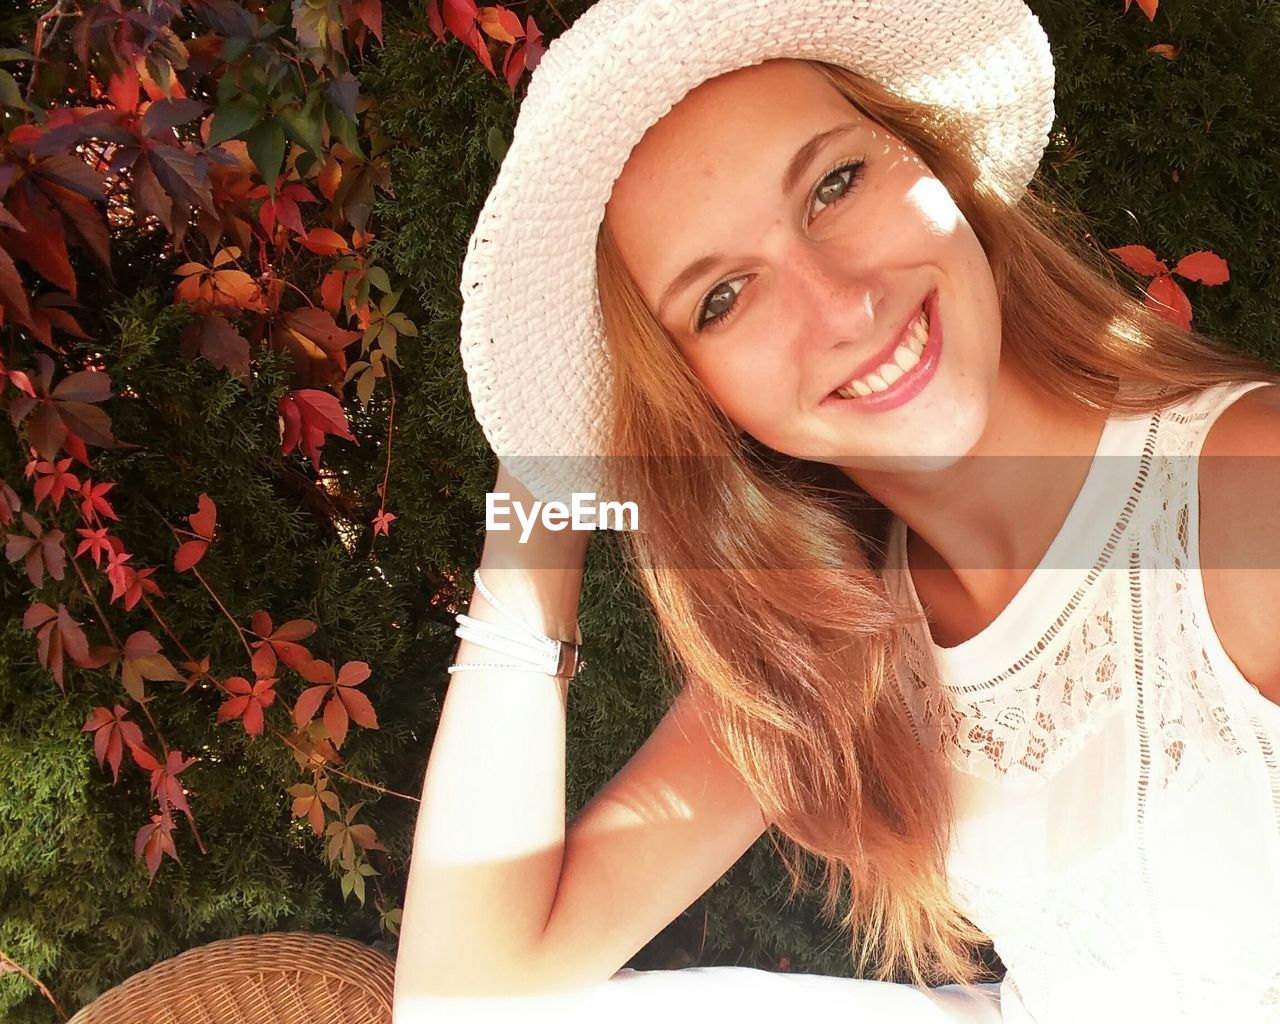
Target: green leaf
[388, 303]
[387, 342]
[8, 53]
[302, 128]
[10, 94]
[365, 386]
[377, 277]
[275, 75]
[404, 325]
[233, 48]
[160, 71]
[266, 150]
[343, 128]
[233, 119]
[496, 144]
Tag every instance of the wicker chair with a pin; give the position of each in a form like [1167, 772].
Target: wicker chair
[276, 978]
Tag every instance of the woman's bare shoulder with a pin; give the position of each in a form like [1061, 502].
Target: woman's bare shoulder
[1239, 483]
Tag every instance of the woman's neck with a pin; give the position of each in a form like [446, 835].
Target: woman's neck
[980, 527]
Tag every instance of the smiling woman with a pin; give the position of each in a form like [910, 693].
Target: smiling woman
[927, 558]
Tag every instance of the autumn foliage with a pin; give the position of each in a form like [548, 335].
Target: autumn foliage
[237, 136]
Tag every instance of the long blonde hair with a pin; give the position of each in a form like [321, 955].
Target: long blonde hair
[771, 603]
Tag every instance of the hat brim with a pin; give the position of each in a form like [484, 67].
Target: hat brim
[531, 335]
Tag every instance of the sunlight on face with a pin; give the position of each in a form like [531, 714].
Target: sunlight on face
[783, 240]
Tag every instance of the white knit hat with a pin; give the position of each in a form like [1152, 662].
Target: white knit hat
[532, 338]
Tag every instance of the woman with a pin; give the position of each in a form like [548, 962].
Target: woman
[923, 526]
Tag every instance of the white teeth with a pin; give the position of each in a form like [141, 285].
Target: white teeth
[905, 357]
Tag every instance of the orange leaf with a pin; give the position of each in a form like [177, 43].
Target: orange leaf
[324, 242]
[330, 177]
[500, 24]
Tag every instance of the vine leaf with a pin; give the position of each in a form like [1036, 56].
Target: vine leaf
[111, 732]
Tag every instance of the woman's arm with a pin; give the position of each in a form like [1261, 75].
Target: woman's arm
[489, 840]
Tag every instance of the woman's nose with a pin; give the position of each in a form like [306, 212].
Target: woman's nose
[832, 298]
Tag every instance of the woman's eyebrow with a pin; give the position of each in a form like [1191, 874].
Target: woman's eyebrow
[805, 154]
[796, 166]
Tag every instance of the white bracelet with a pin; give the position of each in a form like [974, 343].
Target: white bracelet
[533, 650]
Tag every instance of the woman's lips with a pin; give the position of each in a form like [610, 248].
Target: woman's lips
[910, 383]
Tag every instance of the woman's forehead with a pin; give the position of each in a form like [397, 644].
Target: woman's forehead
[776, 99]
[719, 154]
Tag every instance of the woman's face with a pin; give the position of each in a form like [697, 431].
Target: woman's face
[785, 241]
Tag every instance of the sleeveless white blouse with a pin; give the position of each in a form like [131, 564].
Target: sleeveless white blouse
[1117, 781]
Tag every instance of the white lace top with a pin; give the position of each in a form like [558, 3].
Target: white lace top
[1117, 779]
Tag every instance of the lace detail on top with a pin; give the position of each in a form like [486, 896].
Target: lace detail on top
[1116, 779]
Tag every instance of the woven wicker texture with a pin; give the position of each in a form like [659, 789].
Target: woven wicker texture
[532, 341]
[276, 978]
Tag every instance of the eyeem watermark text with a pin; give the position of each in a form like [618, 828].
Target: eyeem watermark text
[582, 513]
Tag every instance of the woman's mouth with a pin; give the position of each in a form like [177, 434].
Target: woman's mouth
[902, 372]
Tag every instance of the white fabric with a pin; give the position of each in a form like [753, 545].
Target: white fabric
[700, 995]
[1116, 777]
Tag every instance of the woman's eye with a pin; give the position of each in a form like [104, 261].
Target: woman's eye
[720, 303]
[836, 185]
[718, 306]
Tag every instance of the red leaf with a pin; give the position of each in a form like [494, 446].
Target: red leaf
[96, 543]
[41, 244]
[1203, 266]
[111, 731]
[305, 709]
[293, 630]
[165, 785]
[189, 554]
[359, 708]
[309, 416]
[205, 518]
[1169, 300]
[382, 521]
[249, 705]
[1141, 260]
[13, 294]
[460, 17]
[335, 720]
[124, 90]
[353, 673]
[57, 634]
[155, 841]
[217, 341]
[434, 20]
[94, 505]
[144, 758]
